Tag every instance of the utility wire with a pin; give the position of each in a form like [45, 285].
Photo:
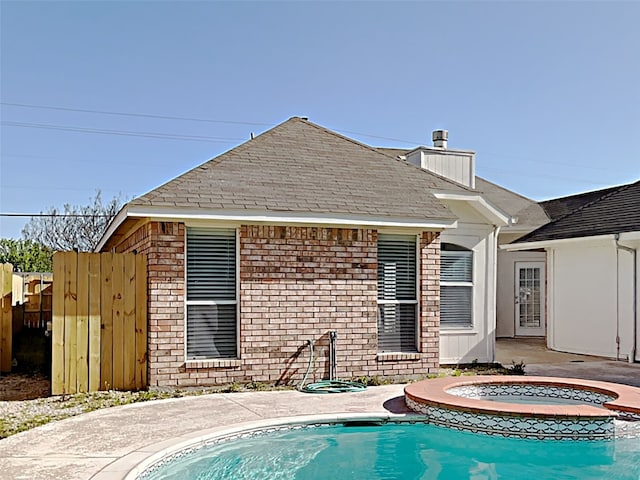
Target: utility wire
[221, 139]
[129, 114]
[126, 133]
[69, 215]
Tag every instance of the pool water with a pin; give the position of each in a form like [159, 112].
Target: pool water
[402, 451]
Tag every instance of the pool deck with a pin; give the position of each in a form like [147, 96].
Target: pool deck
[106, 444]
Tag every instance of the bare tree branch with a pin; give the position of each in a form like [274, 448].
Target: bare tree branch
[76, 227]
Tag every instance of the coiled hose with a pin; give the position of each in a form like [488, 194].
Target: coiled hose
[327, 386]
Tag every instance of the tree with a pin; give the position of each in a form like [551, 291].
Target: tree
[25, 255]
[75, 227]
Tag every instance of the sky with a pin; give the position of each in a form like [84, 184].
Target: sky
[123, 96]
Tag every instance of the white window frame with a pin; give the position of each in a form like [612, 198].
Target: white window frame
[235, 302]
[415, 302]
[470, 285]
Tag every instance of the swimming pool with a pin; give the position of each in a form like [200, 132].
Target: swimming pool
[395, 450]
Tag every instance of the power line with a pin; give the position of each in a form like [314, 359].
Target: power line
[542, 175]
[168, 136]
[129, 114]
[126, 133]
[65, 215]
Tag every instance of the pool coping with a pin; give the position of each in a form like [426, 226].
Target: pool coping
[433, 392]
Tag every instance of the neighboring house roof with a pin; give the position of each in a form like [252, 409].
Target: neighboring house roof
[615, 211]
[527, 213]
[559, 207]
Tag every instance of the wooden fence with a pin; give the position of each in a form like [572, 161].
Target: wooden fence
[32, 299]
[6, 317]
[99, 322]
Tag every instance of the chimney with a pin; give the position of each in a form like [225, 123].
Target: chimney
[440, 138]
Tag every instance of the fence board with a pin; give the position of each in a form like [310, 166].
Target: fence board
[57, 327]
[6, 320]
[141, 322]
[129, 319]
[94, 282]
[106, 312]
[118, 322]
[99, 322]
[82, 324]
[70, 327]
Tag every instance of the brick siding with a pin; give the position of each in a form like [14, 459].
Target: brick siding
[296, 285]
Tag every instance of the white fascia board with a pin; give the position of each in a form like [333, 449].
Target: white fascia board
[496, 216]
[515, 247]
[629, 236]
[113, 226]
[515, 228]
[288, 217]
[178, 214]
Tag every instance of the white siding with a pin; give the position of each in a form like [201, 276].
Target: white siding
[458, 166]
[464, 345]
[590, 301]
[505, 302]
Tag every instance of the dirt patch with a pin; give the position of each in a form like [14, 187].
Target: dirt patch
[20, 386]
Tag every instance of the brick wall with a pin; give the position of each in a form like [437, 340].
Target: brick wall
[296, 284]
[299, 283]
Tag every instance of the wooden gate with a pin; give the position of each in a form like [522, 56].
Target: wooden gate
[6, 317]
[99, 322]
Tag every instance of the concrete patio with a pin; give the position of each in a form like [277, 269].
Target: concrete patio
[544, 362]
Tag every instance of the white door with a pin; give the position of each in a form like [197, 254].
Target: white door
[529, 299]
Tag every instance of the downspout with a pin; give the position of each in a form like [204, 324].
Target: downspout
[634, 335]
[494, 295]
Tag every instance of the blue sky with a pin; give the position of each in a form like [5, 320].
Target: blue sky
[546, 93]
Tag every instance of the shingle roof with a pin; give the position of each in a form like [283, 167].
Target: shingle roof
[559, 207]
[617, 211]
[301, 167]
[529, 213]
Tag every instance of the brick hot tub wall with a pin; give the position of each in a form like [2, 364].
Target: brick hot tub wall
[296, 284]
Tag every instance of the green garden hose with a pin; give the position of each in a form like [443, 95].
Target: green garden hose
[327, 386]
[333, 386]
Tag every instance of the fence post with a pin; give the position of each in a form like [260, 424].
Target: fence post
[6, 320]
[57, 328]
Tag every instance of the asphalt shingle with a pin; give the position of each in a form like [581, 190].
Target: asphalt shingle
[617, 211]
[300, 167]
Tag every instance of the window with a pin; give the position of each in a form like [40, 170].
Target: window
[456, 286]
[211, 293]
[397, 293]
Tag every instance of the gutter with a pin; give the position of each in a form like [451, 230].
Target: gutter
[634, 335]
[515, 247]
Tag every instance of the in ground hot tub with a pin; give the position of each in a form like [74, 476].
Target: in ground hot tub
[533, 407]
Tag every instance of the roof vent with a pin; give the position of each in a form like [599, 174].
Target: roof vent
[440, 138]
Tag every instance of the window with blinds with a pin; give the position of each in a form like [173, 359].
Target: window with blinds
[456, 286]
[211, 293]
[397, 293]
